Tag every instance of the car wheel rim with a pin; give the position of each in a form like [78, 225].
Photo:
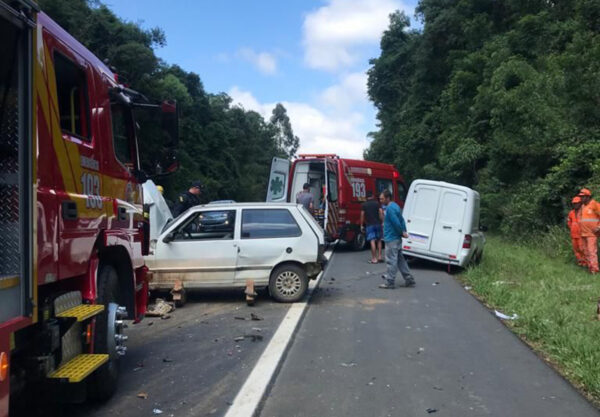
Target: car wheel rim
[288, 283]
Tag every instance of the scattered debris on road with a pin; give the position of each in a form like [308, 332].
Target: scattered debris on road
[435, 387]
[165, 317]
[160, 308]
[167, 360]
[142, 395]
[255, 317]
[435, 283]
[505, 317]
[431, 410]
[468, 288]
[421, 350]
[238, 339]
[252, 337]
[348, 365]
[157, 411]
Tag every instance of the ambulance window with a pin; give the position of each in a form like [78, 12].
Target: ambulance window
[122, 125]
[71, 91]
[382, 184]
[402, 191]
[332, 187]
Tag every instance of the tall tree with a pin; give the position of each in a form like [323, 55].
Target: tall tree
[286, 140]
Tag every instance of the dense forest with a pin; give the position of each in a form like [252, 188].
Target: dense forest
[502, 96]
[228, 148]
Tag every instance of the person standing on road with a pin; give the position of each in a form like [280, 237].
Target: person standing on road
[371, 214]
[394, 229]
[573, 224]
[188, 199]
[590, 228]
[305, 198]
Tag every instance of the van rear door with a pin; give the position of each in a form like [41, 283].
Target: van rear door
[447, 232]
[422, 210]
[279, 180]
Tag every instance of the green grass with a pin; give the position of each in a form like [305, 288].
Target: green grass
[555, 300]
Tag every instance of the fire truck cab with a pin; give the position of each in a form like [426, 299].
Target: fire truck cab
[339, 186]
[72, 226]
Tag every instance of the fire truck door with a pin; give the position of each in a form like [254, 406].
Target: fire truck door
[15, 178]
[332, 203]
[279, 180]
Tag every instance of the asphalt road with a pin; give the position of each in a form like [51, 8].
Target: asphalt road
[364, 351]
[359, 351]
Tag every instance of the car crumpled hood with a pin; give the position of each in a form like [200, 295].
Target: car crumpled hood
[160, 214]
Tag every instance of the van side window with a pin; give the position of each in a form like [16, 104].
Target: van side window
[382, 184]
[268, 223]
[332, 186]
[122, 127]
[208, 225]
[71, 90]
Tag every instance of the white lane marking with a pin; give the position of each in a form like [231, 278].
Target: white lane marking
[252, 392]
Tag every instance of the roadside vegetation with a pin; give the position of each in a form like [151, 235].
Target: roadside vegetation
[554, 299]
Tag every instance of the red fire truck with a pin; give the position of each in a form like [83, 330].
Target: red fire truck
[73, 232]
[339, 187]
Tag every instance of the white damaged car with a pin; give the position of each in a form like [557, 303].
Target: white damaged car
[277, 245]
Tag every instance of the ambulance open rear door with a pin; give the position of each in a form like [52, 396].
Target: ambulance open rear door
[279, 180]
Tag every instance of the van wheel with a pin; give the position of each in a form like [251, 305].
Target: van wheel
[359, 242]
[103, 383]
[288, 283]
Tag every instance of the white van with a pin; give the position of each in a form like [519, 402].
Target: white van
[443, 223]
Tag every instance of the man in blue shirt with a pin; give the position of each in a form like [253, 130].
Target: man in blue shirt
[394, 229]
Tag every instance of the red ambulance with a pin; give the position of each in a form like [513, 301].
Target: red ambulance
[339, 187]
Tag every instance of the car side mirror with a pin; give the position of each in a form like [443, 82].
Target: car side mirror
[169, 238]
[483, 228]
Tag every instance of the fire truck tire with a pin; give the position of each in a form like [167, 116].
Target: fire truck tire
[288, 283]
[103, 383]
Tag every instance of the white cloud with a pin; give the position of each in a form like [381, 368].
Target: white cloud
[351, 92]
[319, 131]
[263, 61]
[334, 33]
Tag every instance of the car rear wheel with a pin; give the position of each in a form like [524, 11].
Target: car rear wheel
[288, 283]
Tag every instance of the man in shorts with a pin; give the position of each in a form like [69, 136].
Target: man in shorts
[371, 215]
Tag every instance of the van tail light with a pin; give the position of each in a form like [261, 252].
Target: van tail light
[467, 242]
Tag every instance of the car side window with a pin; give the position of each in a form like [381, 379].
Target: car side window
[269, 223]
[207, 225]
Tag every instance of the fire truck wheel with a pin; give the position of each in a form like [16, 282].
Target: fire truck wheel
[359, 242]
[288, 283]
[103, 383]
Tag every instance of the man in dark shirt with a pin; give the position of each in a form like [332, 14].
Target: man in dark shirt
[305, 198]
[372, 215]
[188, 199]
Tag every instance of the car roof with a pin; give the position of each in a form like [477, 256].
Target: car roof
[246, 205]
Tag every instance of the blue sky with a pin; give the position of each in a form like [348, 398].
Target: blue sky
[309, 55]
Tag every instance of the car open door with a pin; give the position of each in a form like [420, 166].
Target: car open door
[279, 180]
[447, 232]
[421, 215]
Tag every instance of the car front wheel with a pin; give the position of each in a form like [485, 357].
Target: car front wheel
[288, 283]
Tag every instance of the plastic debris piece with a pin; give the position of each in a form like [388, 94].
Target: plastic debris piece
[239, 318]
[348, 365]
[431, 410]
[421, 350]
[167, 360]
[435, 283]
[238, 339]
[142, 395]
[150, 323]
[438, 388]
[468, 288]
[505, 317]
[254, 337]
[255, 317]
[257, 329]
[165, 317]
[157, 411]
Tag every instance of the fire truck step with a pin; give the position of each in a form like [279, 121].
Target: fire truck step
[83, 311]
[78, 368]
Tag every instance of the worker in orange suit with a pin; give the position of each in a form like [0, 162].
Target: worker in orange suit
[590, 228]
[573, 223]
